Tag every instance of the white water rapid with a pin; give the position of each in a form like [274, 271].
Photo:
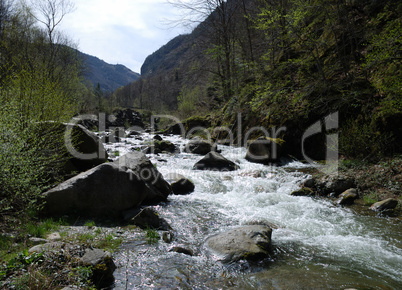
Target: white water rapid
[317, 245]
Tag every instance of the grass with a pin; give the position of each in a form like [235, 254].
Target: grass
[90, 224]
[41, 229]
[370, 198]
[151, 236]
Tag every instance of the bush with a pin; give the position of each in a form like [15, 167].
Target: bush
[29, 159]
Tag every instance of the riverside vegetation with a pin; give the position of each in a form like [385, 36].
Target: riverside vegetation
[277, 63]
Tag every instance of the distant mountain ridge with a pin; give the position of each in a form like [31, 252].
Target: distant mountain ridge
[110, 77]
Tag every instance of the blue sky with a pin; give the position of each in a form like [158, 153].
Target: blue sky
[121, 31]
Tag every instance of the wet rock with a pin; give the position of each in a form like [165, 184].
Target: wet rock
[167, 237]
[182, 250]
[215, 161]
[310, 183]
[165, 146]
[158, 138]
[304, 191]
[149, 218]
[264, 150]
[133, 133]
[348, 197]
[198, 146]
[250, 242]
[109, 189]
[388, 204]
[176, 129]
[180, 185]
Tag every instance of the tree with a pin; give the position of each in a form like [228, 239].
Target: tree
[218, 35]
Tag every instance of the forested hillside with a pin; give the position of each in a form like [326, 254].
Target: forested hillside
[285, 63]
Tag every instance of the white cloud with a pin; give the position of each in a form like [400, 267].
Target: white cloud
[120, 31]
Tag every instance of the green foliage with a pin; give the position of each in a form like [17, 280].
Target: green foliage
[151, 236]
[190, 102]
[39, 82]
[84, 276]
[370, 198]
[383, 62]
[42, 228]
[360, 139]
[90, 224]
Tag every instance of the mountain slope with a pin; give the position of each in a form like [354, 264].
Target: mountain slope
[110, 77]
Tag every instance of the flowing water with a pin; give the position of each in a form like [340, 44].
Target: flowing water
[317, 245]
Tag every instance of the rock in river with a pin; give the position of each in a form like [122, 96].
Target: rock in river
[215, 161]
[250, 242]
[264, 150]
[198, 146]
[180, 184]
[109, 189]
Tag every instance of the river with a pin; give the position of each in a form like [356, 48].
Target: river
[317, 245]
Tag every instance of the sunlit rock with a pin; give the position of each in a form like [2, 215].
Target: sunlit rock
[250, 242]
[384, 205]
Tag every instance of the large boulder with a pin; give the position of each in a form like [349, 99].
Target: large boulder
[109, 189]
[198, 146]
[139, 163]
[250, 242]
[264, 150]
[215, 161]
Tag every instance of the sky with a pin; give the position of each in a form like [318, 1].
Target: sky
[121, 31]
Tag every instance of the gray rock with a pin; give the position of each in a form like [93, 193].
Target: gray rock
[180, 185]
[50, 247]
[53, 237]
[198, 146]
[215, 161]
[388, 204]
[139, 163]
[182, 250]
[109, 189]
[335, 184]
[348, 197]
[248, 242]
[263, 150]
